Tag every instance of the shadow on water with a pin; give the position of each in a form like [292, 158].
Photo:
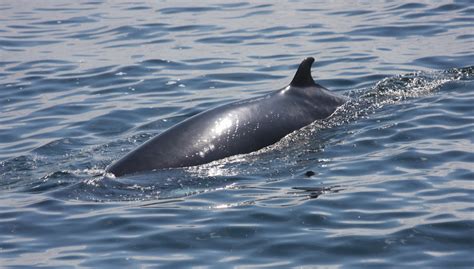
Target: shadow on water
[287, 159]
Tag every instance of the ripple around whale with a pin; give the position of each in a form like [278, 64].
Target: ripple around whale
[387, 180]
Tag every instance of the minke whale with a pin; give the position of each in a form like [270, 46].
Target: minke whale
[235, 128]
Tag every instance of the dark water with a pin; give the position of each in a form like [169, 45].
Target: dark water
[386, 182]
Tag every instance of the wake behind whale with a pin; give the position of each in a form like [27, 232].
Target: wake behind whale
[236, 128]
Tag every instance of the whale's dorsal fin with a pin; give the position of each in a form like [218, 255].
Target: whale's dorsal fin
[303, 76]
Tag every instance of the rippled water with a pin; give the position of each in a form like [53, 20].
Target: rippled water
[386, 182]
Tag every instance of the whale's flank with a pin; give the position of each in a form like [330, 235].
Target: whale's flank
[235, 128]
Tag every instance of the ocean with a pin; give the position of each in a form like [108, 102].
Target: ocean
[385, 182]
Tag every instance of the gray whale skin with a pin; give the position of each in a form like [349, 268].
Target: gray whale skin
[235, 128]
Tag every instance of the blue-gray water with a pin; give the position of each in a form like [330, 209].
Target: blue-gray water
[386, 182]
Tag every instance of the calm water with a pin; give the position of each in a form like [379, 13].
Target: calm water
[386, 182]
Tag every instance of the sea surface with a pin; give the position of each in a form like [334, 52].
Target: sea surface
[386, 182]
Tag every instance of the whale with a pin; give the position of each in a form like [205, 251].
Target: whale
[235, 128]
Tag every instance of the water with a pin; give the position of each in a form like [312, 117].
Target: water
[386, 182]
